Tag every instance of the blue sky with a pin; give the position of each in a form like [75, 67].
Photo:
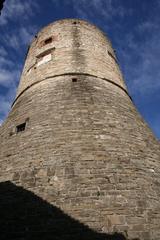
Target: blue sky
[132, 25]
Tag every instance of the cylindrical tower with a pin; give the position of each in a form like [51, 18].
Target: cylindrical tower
[75, 139]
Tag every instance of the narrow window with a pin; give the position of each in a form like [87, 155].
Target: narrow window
[21, 127]
[29, 71]
[74, 79]
[48, 40]
[44, 59]
[110, 54]
[45, 56]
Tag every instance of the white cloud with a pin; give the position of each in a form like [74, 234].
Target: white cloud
[20, 37]
[8, 77]
[5, 102]
[8, 80]
[4, 106]
[26, 34]
[16, 37]
[147, 26]
[101, 8]
[3, 51]
[5, 62]
[140, 59]
[13, 9]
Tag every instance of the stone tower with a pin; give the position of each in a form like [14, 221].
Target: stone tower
[75, 139]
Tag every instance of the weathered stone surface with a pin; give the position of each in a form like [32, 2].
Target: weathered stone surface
[85, 148]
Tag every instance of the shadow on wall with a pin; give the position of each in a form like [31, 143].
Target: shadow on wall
[25, 216]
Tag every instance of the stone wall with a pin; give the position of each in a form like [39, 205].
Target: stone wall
[85, 149]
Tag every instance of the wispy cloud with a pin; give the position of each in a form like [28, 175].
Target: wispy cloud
[147, 26]
[8, 80]
[19, 37]
[5, 107]
[3, 51]
[95, 9]
[140, 59]
[8, 77]
[9, 72]
[5, 102]
[13, 9]
[4, 62]
[16, 18]
[101, 10]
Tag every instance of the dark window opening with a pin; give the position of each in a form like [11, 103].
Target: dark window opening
[21, 127]
[110, 54]
[48, 40]
[48, 51]
[74, 22]
[74, 79]
[29, 69]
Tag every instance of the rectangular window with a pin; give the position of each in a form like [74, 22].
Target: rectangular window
[47, 41]
[44, 59]
[29, 71]
[21, 127]
[45, 56]
[74, 79]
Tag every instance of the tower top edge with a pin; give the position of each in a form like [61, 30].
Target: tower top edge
[76, 21]
[70, 20]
